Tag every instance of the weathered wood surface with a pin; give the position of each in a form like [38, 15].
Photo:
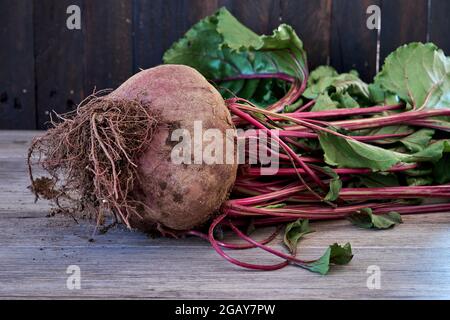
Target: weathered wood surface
[44, 66]
[403, 21]
[36, 250]
[312, 22]
[17, 78]
[348, 21]
[440, 24]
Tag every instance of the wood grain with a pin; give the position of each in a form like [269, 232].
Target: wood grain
[70, 64]
[159, 23]
[17, 95]
[262, 16]
[36, 251]
[58, 59]
[44, 66]
[312, 22]
[353, 45]
[440, 24]
[402, 21]
[108, 44]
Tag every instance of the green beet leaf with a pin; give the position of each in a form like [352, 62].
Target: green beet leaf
[350, 81]
[348, 153]
[220, 47]
[441, 170]
[382, 96]
[235, 35]
[394, 129]
[418, 141]
[367, 220]
[294, 232]
[419, 181]
[379, 180]
[273, 206]
[324, 102]
[335, 184]
[320, 80]
[432, 153]
[335, 254]
[418, 172]
[345, 100]
[419, 74]
[320, 73]
[325, 79]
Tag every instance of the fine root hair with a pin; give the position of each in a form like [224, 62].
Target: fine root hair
[90, 157]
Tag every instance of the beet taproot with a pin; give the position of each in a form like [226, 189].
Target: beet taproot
[114, 152]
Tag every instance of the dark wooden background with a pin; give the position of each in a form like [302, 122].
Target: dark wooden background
[44, 66]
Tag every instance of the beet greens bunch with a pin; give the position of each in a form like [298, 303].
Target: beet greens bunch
[368, 153]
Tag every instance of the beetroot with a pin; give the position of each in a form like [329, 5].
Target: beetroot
[113, 154]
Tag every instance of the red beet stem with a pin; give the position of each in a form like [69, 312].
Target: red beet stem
[306, 106]
[234, 108]
[341, 112]
[232, 246]
[408, 209]
[310, 135]
[341, 171]
[268, 249]
[219, 250]
[276, 75]
[400, 118]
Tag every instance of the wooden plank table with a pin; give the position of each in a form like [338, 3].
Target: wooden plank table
[36, 250]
